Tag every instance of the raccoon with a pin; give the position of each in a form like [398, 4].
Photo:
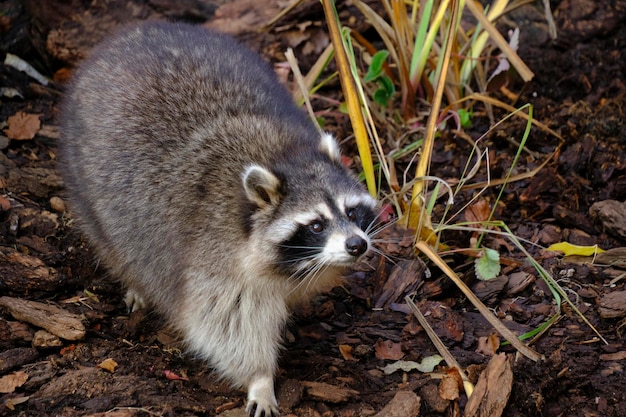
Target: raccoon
[206, 191]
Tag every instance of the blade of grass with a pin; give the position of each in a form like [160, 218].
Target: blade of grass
[440, 346]
[404, 37]
[514, 59]
[479, 40]
[297, 75]
[365, 108]
[427, 45]
[314, 73]
[413, 215]
[494, 101]
[420, 40]
[536, 333]
[352, 99]
[513, 165]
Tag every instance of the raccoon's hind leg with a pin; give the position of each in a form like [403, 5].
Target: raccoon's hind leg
[134, 301]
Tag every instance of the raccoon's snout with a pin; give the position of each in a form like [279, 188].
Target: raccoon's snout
[356, 245]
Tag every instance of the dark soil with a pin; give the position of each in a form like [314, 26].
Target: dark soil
[579, 91]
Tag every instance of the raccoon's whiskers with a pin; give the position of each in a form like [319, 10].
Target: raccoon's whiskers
[375, 228]
[308, 272]
[308, 268]
[384, 255]
[393, 239]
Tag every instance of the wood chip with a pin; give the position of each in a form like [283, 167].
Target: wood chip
[403, 404]
[404, 279]
[617, 356]
[611, 214]
[22, 273]
[488, 291]
[289, 394]
[492, 390]
[45, 340]
[613, 305]
[518, 282]
[14, 358]
[615, 257]
[430, 394]
[57, 321]
[330, 393]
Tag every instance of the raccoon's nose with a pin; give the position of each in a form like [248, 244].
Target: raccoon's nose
[356, 245]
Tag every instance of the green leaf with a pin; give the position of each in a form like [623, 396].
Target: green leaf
[386, 84]
[487, 266]
[381, 97]
[376, 67]
[466, 117]
[385, 92]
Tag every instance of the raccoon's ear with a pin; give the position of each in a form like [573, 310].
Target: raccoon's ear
[261, 186]
[329, 146]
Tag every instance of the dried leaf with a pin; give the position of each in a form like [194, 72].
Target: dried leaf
[8, 383]
[450, 385]
[488, 345]
[386, 349]
[172, 376]
[10, 403]
[5, 203]
[22, 126]
[66, 349]
[108, 365]
[346, 352]
[478, 212]
[503, 62]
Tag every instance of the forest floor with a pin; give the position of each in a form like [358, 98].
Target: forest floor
[336, 347]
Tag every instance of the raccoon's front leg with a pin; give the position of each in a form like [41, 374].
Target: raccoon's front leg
[261, 398]
[236, 325]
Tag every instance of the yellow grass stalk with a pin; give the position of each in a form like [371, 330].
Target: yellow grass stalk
[350, 93]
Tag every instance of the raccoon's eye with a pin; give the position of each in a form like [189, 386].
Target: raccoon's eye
[316, 227]
[352, 214]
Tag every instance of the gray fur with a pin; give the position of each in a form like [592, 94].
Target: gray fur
[186, 163]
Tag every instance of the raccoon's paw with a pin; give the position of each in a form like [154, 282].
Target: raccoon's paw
[261, 399]
[134, 301]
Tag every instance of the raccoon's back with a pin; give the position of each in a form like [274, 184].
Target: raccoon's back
[161, 82]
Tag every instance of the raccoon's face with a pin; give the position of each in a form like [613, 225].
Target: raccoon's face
[315, 217]
[330, 233]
